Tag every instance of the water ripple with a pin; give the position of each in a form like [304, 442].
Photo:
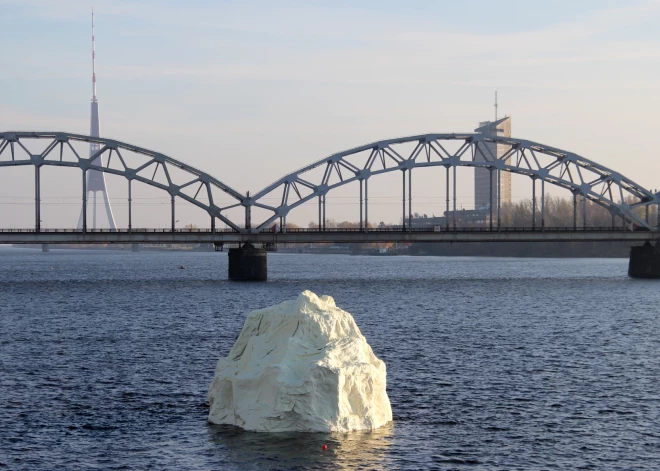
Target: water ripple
[493, 364]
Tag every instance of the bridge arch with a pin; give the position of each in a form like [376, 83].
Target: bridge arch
[14, 152]
[605, 187]
[581, 176]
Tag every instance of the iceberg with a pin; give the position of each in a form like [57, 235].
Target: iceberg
[302, 365]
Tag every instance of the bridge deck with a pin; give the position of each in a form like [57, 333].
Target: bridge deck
[304, 236]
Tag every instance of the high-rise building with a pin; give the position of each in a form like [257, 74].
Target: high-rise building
[501, 128]
[96, 179]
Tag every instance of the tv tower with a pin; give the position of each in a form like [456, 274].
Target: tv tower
[96, 179]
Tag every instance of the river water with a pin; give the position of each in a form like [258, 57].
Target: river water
[493, 364]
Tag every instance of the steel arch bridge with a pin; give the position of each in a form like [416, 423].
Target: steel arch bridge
[582, 177]
[14, 152]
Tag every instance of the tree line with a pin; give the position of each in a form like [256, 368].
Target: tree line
[558, 212]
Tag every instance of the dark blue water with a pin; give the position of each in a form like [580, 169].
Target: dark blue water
[493, 364]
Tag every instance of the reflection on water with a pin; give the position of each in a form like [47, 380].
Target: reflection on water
[264, 451]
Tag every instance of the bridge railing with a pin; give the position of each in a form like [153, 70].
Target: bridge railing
[462, 229]
[330, 230]
[126, 231]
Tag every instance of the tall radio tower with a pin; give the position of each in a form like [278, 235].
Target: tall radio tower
[96, 179]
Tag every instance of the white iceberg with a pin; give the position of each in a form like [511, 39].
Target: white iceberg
[302, 365]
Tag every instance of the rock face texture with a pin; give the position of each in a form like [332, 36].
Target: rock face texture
[302, 365]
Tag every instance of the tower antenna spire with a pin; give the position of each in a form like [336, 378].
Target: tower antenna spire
[95, 179]
[495, 105]
[93, 60]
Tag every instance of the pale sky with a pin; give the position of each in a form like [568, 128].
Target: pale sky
[249, 91]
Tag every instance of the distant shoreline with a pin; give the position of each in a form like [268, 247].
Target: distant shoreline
[459, 249]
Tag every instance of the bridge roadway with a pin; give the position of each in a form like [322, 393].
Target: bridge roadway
[335, 236]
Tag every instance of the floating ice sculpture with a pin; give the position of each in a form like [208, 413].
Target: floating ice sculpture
[302, 365]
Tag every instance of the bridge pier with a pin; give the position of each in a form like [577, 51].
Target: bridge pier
[644, 261]
[248, 263]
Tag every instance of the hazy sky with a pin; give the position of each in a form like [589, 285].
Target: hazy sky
[251, 90]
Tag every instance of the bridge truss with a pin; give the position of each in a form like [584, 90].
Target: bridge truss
[582, 177]
[132, 162]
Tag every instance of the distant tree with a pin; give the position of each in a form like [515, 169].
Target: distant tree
[558, 212]
[348, 225]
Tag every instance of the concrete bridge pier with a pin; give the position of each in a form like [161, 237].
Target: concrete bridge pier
[248, 263]
[645, 261]
[45, 248]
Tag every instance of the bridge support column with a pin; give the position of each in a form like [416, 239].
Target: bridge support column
[533, 203]
[454, 187]
[542, 204]
[94, 211]
[84, 210]
[248, 263]
[410, 199]
[248, 214]
[324, 214]
[130, 203]
[447, 211]
[45, 248]
[644, 261]
[37, 199]
[499, 200]
[403, 215]
[366, 205]
[490, 201]
[173, 215]
[361, 201]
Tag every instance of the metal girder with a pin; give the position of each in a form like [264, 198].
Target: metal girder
[298, 236]
[538, 161]
[129, 167]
